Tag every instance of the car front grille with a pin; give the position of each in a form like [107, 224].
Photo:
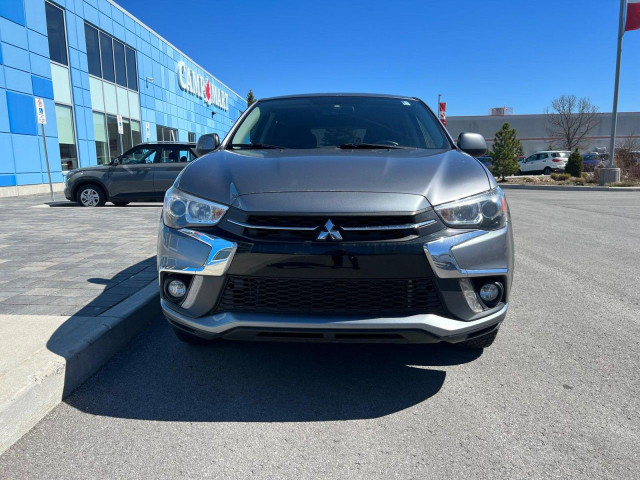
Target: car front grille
[394, 297]
[352, 228]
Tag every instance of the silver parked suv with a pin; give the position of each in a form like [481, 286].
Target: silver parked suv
[343, 218]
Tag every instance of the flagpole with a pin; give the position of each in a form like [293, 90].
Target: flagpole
[614, 113]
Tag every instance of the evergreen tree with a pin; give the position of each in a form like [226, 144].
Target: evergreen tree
[506, 152]
[574, 165]
[250, 98]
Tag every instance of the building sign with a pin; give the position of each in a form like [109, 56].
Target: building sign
[120, 126]
[442, 112]
[147, 130]
[194, 83]
[42, 116]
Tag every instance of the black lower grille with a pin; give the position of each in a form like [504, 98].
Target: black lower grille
[395, 297]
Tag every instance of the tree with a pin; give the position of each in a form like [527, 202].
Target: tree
[250, 98]
[574, 166]
[570, 119]
[506, 152]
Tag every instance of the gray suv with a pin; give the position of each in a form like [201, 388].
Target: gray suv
[340, 218]
[142, 174]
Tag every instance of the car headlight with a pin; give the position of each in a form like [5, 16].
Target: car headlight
[487, 210]
[184, 210]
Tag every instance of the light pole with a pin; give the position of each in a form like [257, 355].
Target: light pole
[611, 173]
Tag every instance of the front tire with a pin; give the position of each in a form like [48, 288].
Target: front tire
[480, 342]
[90, 195]
[189, 338]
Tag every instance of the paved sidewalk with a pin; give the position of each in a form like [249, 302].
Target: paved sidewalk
[71, 281]
[70, 260]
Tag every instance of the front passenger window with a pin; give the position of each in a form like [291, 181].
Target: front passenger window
[139, 156]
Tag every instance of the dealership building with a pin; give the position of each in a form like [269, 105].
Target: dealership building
[107, 81]
[533, 132]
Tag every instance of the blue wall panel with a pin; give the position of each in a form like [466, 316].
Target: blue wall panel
[42, 87]
[13, 10]
[12, 32]
[22, 113]
[7, 164]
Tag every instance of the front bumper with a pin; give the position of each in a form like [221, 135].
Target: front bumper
[445, 255]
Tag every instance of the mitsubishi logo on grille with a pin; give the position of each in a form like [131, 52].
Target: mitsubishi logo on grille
[329, 233]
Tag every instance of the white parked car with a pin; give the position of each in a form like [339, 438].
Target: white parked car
[545, 162]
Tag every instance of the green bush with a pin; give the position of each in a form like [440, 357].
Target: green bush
[505, 153]
[574, 165]
[560, 176]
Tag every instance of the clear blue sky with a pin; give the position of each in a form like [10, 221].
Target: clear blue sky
[478, 54]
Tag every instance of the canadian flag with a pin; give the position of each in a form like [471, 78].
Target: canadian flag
[633, 15]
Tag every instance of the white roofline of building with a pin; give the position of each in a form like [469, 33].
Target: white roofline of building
[112, 2]
[523, 115]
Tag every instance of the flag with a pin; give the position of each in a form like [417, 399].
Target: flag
[442, 112]
[633, 15]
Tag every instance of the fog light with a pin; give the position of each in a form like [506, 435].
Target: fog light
[177, 288]
[489, 292]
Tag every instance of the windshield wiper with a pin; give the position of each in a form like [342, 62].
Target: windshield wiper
[348, 146]
[256, 146]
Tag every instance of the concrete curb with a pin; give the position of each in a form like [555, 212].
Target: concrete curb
[567, 188]
[75, 352]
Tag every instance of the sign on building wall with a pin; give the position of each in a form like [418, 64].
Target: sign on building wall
[147, 131]
[194, 83]
[120, 126]
[40, 112]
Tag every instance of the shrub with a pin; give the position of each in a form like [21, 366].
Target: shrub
[505, 153]
[575, 165]
[560, 176]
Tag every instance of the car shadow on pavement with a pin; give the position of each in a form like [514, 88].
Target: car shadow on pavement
[158, 378]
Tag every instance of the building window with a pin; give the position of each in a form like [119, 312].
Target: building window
[192, 137]
[136, 136]
[93, 50]
[166, 134]
[55, 32]
[106, 56]
[110, 59]
[121, 69]
[132, 70]
[112, 136]
[100, 133]
[66, 138]
[109, 143]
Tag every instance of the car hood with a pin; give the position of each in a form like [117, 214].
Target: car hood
[252, 179]
[88, 169]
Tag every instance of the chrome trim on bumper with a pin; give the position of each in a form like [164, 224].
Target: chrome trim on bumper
[442, 327]
[218, 261]
[441, 255]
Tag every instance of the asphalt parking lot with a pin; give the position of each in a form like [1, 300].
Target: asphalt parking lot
[555, 397]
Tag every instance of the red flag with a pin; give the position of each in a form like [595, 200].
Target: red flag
[633, 15]
[442, 111]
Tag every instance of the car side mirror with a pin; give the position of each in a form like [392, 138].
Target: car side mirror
[207, 143]
[115, 161]
[472, 143]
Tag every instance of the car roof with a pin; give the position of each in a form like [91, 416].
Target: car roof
[167, 143]
[344, 94]
[551, 151]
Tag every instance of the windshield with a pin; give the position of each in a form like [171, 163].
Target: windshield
[339, 122]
